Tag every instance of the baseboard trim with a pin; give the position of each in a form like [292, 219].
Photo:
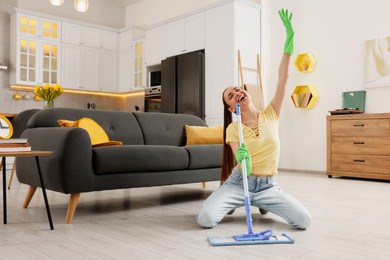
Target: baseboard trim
[302, 171]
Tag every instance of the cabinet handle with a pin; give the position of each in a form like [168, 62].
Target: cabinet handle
[362, 125]
[358, 142]
[359, 161]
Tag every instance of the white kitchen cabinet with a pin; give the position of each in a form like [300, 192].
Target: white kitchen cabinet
[89, 36]
[71, 66]
[109, 40]
[94, 58]
[139, 65]
[125, 61]
[40, 27]
[81, 67]
[80, 35]
[132, 67]
[126, 40]
[155, 45]
[185, 35]
[108, 70]
[35, 50]
[228, 27]
[125, 70]
[90, 67]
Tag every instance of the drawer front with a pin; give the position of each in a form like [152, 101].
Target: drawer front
[361, 145]
[364, 127]
[361, 163]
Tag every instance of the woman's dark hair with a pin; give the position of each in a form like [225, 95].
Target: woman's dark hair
[228, 161]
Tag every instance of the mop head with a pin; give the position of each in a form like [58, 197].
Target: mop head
[265, 237]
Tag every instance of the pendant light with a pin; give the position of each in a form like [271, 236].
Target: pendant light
[81, 5]
[56, 2]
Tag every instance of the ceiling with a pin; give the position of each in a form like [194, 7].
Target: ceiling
[124, 3]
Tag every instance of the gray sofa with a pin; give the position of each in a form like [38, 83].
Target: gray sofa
[154, 153]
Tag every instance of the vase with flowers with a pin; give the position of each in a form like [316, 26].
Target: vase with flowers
[48, 93]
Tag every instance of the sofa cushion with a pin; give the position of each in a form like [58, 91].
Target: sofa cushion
[139, 158]
[204, 135]
[166, 128]
[205, 156]
[96, 133]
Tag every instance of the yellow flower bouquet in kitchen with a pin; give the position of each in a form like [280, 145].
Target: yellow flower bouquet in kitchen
[48, 93]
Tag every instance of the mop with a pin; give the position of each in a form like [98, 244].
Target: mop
[264, 237]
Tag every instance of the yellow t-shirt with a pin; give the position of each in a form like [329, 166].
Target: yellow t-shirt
[265, 148]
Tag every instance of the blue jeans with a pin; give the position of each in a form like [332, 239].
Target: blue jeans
[264, 193]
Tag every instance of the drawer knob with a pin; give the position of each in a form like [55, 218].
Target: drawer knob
[358, 142]
[359, 161]
[360, 125]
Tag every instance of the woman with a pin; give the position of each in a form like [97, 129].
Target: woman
[261, 151]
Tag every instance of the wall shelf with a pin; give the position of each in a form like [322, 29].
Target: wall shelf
[304, 96]
[305, 62]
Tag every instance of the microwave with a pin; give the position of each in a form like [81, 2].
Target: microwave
[155, 78]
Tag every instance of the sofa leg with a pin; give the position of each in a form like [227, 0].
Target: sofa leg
[204, 184]
[74, 199]
[29, 196]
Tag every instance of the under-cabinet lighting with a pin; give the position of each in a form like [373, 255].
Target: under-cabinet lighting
[83, 92]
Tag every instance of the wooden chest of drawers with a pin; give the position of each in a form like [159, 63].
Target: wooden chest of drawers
[359, 146]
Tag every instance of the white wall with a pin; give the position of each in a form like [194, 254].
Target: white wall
[334, 32]
[148, 12]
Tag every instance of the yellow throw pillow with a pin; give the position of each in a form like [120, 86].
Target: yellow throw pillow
[97, 134]
[67, 123]
[204, 134]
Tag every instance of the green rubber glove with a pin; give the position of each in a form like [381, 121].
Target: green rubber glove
[243, 153]
[286, 19]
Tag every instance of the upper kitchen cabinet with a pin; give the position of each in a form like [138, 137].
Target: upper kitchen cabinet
[89, 58]
[34, 26]
[126, 40]
[109, 40]
[185, 35]
[89, 36]
[131, 60]
[155, 45]
[35, 50]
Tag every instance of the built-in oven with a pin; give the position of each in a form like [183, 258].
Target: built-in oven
[153, 99]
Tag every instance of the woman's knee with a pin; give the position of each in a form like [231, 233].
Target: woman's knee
[303, 221]
[205, 219]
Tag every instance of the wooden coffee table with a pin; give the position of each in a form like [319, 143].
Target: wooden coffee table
[35, 154]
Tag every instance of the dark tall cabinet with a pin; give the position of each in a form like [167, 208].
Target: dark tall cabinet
[183, 83]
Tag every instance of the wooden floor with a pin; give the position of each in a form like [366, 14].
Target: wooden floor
[351, 220]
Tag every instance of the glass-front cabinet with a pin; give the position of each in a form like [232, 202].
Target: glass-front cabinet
[139, 64]
[131, 61]
[37, 62]
[37, 55]
[39, 27]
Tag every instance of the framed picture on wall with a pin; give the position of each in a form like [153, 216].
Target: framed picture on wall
[377, 62]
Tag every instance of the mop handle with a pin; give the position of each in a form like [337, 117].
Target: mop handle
[243, 163]
[245, 177]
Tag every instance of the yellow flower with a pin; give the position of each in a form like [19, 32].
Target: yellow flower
[48, 92]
